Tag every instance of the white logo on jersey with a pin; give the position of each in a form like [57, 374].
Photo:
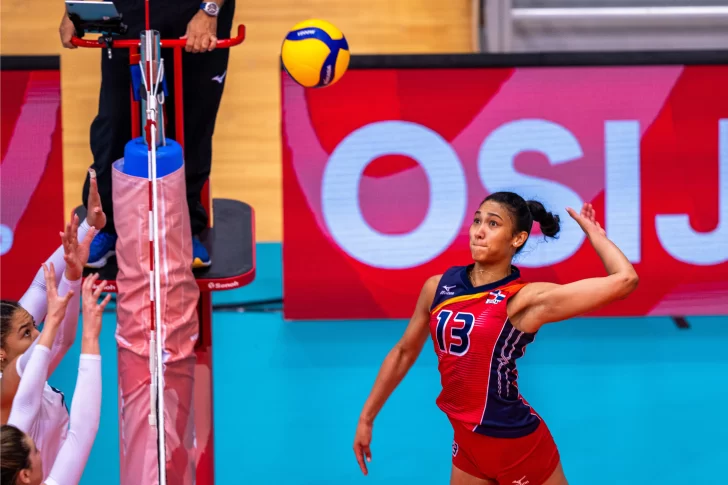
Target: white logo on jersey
[447, 290]
[521, 481]
[495, 298]
[454, 448]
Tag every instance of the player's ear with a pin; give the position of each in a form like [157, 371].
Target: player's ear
[519, 240]
[24, 476]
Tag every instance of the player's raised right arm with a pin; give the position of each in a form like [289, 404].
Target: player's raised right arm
[394, 368]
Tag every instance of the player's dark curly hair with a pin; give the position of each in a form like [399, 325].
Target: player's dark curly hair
[524, 213]
[7, 310]
[15, 452]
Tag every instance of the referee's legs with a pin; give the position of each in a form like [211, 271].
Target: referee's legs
[204, 78]
[204, 81]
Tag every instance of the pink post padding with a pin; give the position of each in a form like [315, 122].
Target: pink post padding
[178, 305]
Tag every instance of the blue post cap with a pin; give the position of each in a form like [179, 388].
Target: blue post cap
[169, 158]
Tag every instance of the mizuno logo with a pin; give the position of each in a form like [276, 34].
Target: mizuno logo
[220, 78]
[447, 290]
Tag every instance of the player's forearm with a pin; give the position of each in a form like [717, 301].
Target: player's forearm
[393, 370]
[67, 330]
[50, 330]
[84, 423]
[615, 262]
[90, 345]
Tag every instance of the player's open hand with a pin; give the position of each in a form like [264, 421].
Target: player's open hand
[74, 254]
[361, 445]
[92, 309]
[95, 215]
[56, 304]
[587, 220]
[201, 33]
[67, 30]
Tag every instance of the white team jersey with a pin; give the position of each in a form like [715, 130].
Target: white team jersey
[50, 428]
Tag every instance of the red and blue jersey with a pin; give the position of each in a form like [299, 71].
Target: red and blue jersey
[477, 348]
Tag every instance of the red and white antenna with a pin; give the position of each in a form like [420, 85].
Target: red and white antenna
[152, 70]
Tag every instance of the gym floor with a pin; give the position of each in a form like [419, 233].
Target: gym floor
[632, 401]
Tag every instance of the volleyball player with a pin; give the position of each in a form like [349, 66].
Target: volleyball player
[19, 335]
[21, 458]
[481, 317]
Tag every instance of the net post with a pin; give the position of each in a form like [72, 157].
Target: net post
[152, 70]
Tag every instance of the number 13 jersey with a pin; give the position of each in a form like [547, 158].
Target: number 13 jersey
[477, 348]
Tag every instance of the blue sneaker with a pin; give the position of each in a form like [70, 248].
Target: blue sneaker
[102, 248]
[200, 256]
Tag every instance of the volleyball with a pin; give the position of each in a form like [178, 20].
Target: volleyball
[315, 53]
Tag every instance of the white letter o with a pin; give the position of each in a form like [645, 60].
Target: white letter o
[340, 195]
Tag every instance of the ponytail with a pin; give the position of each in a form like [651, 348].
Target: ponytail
[548, 221]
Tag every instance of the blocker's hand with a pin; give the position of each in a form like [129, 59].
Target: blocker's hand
[67, 30]
[75, 254]
[56, 304]
[93, 311]
[201, 33]
[95, 215]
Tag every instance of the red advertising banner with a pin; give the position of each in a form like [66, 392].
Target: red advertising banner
[31, 173]
[383, 171]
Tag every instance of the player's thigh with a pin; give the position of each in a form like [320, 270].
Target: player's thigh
[459, 477]
[557, 477]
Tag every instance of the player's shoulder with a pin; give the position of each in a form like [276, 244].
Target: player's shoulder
[430, 288]
[451, 277]
[446, 285]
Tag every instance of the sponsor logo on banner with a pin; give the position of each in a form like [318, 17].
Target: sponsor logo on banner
[222, 286]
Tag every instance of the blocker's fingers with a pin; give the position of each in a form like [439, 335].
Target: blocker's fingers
[105, 302]
[99, 289]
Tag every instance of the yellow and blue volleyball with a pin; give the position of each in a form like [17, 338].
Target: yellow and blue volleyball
[315, 53]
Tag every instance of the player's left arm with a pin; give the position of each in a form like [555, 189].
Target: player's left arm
[540, 303]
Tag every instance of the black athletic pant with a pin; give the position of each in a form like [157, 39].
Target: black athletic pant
[203, 83]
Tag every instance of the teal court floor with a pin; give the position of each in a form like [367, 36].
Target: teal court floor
[630, 401]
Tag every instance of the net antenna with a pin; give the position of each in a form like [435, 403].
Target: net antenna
[152, 70]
